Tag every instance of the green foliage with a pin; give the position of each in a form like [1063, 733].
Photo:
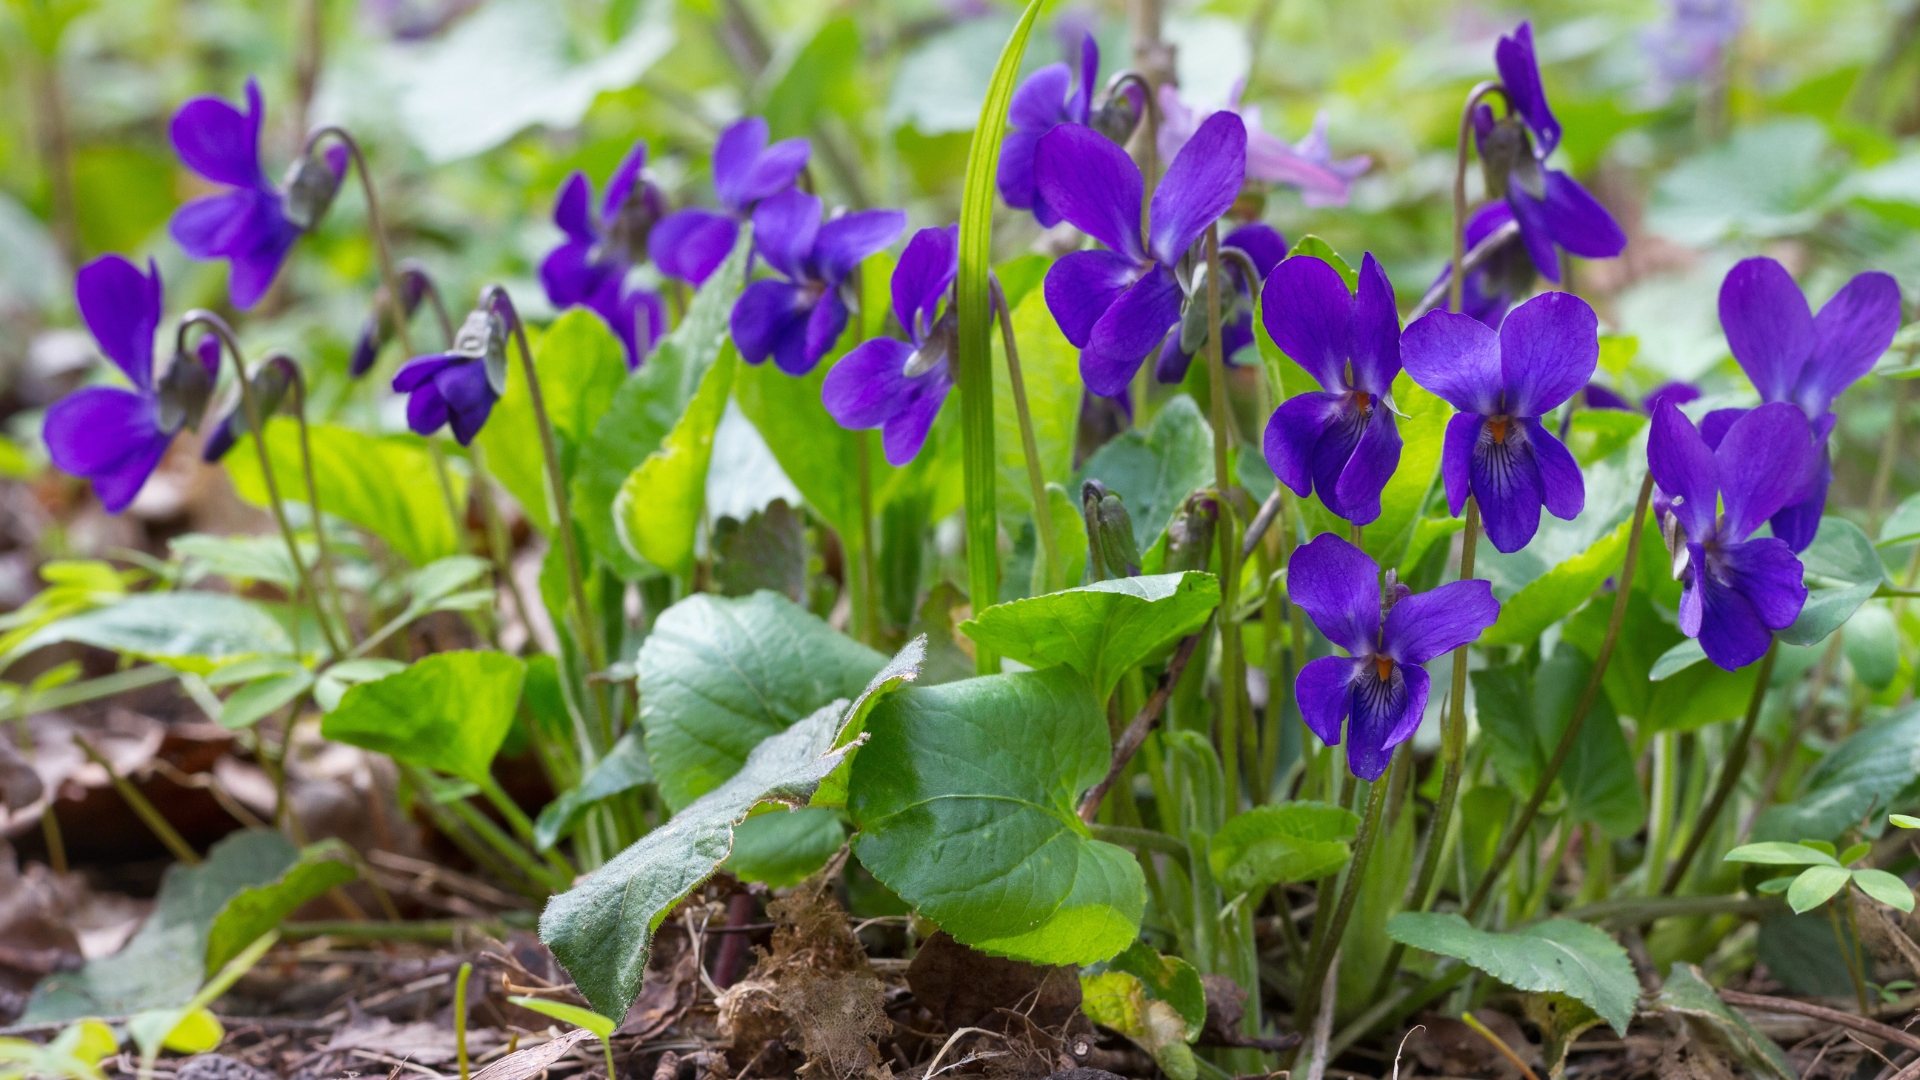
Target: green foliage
[1525, 715]
[659, 506]
[1875, 767]
[256, 910]
[781, 849]
[623, 769]
[1157, 1001]
[965, 803]
[190, 631]
[355, 475]
[448, 712]
[74, 1053]
[1153, 471]
[1269, 845]
[1688, 995]
[1825, 874]
[719, 676]
[1102, 630]
[1557, 956]
[1050, 371]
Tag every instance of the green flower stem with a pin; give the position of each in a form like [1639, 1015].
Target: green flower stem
[444, 481]
[1777, 771]
[1889, 451]
[1623, 588]
[1233, 670]
[1145, 840]
[1457, 282]
[523, 826]
[974, 304]
[494, 299]
[1730, 770]
[1453, 754]
[460, 1017]
[499, 543]
[508, 848]
[860, 577]
[250, 404]
[324, 558]
[1327, 931]
[1042, 507]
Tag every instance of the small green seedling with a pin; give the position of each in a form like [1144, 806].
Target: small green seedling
[74, 1054]
[601, 1027]
[1825, 875]
[1890, 992]
[192, 1028]
[1904, 821]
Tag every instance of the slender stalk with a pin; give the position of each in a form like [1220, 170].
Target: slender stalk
[1327, 934]
[1042, 506]
[495, 299]
[499, 544]
[1456, 282]
[1777, 771]
[1848, 955]
[324, 557]
[860, 579]
[1889, 452]
[522, 827]
[147, 812]
[395, 305]
[443, 479]
[1623, 589]
[1730, 769]
[250, 402]
[1233, 672]
[56, 146]
[460, 1017]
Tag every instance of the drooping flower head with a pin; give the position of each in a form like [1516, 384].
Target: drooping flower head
[798, 315]
[1737, 590]
[1340, 441]
[254, 224]
[1792, 355]
[458, 387]
[271, 381]
[379, 328]
[1048, 98]
[1554, 211]
[1307, 165]
[899, 386]
[690, 244]
[589, 268]
[1116, 305]
[1497, 283]
[1378, 691]
[1503, 383]
[113, 436]
[1264, 249]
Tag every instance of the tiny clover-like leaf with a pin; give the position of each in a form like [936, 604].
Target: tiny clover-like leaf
[602, 929]
[1904, 821]
[1778, 853]
[965, 802]
[1296, 841]
[1774, 886]
[1854, 853]
[1557, 956]
[1815, 886]
[1100, 630]
[1885, 888]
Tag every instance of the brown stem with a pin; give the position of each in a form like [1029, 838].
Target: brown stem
[148, 813]
[306, 64]
[250, 403]
[1457, 282]
[1142, 722]
[1730, 769]
[1767, 1003]
[1622, 589]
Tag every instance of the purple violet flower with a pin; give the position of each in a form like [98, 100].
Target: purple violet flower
[1380, 684]
[798, 316]
[1503, 383]
[1307, 165]
[1792, 355]
[691, 244]
[1737, 590]
[589, 269]
[254, 225]
[1265, 248]
[1554, 211]
[899, 386]
[1340, 441]
[1689, 44]
[379, 328]
[1116, 305]
[1048, 98]
[457, 387]
[113, 436]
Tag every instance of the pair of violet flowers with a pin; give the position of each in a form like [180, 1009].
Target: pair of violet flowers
[591, 267]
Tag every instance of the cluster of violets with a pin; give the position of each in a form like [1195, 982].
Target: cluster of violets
[1508, 364]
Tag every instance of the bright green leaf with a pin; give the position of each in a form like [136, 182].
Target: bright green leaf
[661, 504]
[1289, 842]
[1548, 597]
[785, 847]
[247, 705]
[1775, 853]
[1815, 886]
[254, 911]
[448, 712]
[1101, 630]
[1153, 471]
[188, 631]
[624, 768]
[333, 682]
[1885, 888]
[1313, 246]
[570, 1014]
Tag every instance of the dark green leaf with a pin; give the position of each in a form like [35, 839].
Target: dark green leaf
[767, 551]
[717, 676]
[785, 847]
[965, 803]
[1557, 955]
[1842, 572]
[1688, 995]
[1871, 770]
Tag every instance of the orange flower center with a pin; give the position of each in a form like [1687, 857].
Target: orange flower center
[1383, 665]
[1498, 425]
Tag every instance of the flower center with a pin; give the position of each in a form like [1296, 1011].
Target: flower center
[1384, 665]
[1497, 426]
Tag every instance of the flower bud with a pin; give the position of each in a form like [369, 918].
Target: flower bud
[1112, 551]
[271, 381]
[310, 185]
[1506, 155]
[1190, 534]
[184, 391]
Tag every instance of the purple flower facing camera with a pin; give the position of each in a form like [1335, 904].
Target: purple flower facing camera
[691, 244]
[1378, 691]
[899, 386]
[796, 316]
